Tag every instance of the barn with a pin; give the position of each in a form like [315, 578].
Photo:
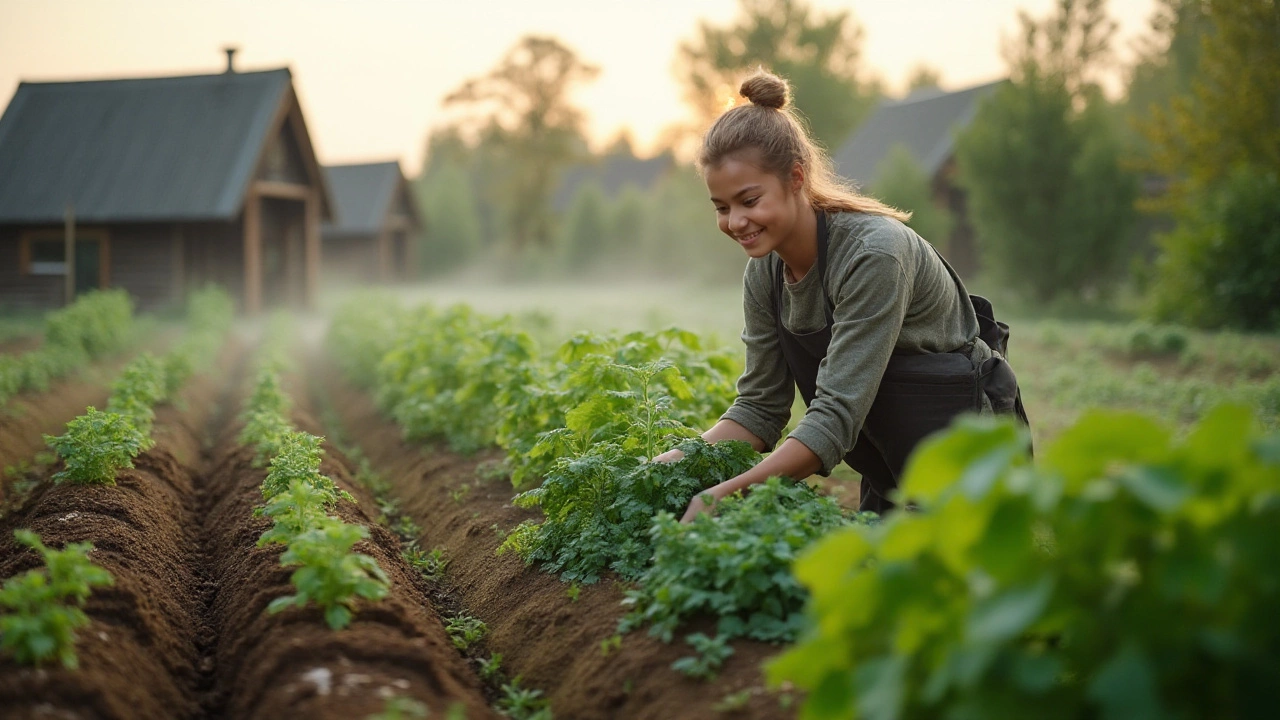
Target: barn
[926, 123]
[165, 184]
[378, 226]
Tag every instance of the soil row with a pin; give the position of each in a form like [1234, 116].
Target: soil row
[546, 636]
[183, 633]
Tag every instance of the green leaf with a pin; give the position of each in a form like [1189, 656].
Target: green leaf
[1006, 615]
[1125, 687]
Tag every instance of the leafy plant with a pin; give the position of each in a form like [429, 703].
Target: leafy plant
[1126, 574]
[331, 575]
[599, 505]
[299, 459]
[431, 564]
[96, 446]
[491, 668]
[295, 511]
[465, 630]
[523, 703]
[138, 389]
[712, 652]
[42, 606]
[734, 566]
[400, 707]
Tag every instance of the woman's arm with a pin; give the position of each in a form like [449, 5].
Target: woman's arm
[792, 460]
[723, 430]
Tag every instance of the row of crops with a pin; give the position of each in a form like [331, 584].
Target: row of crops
[40, 609]
[1122, 575]
[97, 324]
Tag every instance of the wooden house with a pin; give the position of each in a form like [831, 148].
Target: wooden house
[165, 184]
[926, 123]
[376, 233]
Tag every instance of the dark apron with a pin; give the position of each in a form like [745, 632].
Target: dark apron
[918, 394]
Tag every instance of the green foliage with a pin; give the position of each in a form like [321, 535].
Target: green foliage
[298, 459]
[522, 703]
[903, 184]
[453, 233]
[96, 446]
[41, 607]
[587, 234]
[712, 652]
[331, 575]
[139, 388]
[1126, 574]
[819, 53]
[1049, 201]
[400, 707]
[735, 565]
[491, 668]
[99, 322]
[599, 505]
[1218, 268]
[465, 631]
[430, 563]
[364, 329]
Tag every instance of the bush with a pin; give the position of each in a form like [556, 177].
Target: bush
[96, 446]
[1128, 574]
[1218, 268]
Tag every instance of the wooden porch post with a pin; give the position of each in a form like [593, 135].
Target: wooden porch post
[252, 254]
[69, 253]
[384, 255]
[179, 268]
[311, 229]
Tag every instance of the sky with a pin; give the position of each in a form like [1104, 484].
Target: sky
[371, 74]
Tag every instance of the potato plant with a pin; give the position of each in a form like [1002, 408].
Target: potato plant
[96, 446]
[1128, 573]
[40, 609]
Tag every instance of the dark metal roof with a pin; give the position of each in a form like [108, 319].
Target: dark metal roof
[925, 123]
[362, 194]
[178, 148]
[611, 174]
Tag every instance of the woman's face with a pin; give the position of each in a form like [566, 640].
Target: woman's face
[754, 207]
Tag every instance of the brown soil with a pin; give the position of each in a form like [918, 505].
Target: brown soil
[553, 643]
[291, 664]
[21, 344]
[183, 633]
[150, 624]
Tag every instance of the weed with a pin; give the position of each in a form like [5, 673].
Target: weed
[465, 631]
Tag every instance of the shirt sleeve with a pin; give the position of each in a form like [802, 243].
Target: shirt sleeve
[766, 389]
[871, 299]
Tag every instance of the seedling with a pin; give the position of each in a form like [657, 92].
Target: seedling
[491, 669]
[573, 591]
[431, 564]
[523, 703]
[42, 606]
[712, 653]
[331, 575]
[96, 446]
[610, 644]
[400, 707]
[465, 631]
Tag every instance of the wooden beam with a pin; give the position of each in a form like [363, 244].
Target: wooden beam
[252, 254]
[384, 257]
[311, 230]
[179, 268]
[281, 190]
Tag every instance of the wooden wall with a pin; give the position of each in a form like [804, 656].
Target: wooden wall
[21, 290]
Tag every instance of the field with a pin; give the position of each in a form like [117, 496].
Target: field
[458, 601]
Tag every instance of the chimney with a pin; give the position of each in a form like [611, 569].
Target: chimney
[230, 50]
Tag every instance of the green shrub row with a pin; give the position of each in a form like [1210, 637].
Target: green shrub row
[1128, 573]
[97, 445]
[99, 322]
[297, 498]
[40, 608]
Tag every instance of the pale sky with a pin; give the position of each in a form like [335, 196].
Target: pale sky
[371, 74]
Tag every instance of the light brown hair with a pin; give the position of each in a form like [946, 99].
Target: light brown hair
[770, 127]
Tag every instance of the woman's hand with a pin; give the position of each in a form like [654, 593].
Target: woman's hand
[669, 456]
[698, 506]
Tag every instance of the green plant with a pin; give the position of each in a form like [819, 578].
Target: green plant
[491, 668]
[400, 707]
[573, 591]
[42, 606]
[712, 652]
[465, 630]
[298, 458]
[599, 505]
[138, 389]
[331, 575]
[431, 564]
[96, 446]
[735, 565]
[610, 645]
[1127, 573]
[523, 703]
[296, 510]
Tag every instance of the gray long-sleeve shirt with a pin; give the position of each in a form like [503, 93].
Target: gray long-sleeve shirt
[890, 292]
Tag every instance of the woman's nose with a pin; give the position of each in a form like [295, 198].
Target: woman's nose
[737, 220]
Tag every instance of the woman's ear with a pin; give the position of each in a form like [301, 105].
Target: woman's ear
[796, 178]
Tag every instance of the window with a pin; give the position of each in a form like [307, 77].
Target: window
[43, 252]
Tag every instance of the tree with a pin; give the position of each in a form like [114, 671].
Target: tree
[1051, 205]
[586, 232]
[922, 77]
[903, 184]
[1218, 143]
[452, 234]
[532, 126]
[820, 54]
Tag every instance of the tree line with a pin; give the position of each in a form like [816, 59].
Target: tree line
[1169, 194]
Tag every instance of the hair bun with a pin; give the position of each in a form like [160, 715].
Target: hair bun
[766, 90]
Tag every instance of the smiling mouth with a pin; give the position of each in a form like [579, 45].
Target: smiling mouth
[750, 237]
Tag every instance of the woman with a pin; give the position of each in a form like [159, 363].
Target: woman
[843, 301]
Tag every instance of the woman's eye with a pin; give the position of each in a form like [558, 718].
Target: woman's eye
[749, 202]
[721, 210]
